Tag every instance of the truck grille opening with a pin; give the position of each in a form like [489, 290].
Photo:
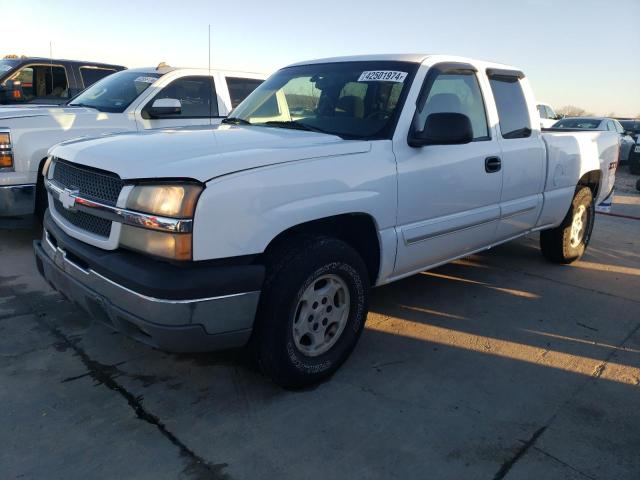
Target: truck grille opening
[95, 184]
[96, 225]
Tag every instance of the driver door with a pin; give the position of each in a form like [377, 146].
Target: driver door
[448, 195]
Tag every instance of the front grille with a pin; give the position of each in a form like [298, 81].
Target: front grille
[96, 185]
[96, 225]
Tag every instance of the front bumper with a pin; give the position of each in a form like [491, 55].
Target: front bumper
[17, 200]
[177, 325]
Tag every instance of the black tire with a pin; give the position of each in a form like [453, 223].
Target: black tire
[556, 244]
[42, 200]
[634, 164]
[291, 269]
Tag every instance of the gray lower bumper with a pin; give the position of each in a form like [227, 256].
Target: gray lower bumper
[178, 326]
[17, 200]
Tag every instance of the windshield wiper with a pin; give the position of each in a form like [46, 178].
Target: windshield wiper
[293, 124]
[81, 105]
[236, 121]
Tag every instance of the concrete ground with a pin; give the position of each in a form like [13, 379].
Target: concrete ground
[496, 366]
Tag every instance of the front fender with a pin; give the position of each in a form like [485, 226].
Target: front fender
[240, 214]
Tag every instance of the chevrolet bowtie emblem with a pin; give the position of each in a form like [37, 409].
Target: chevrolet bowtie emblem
[67, 198]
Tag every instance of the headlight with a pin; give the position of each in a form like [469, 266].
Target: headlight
[177, 201]
[6, 152]
[164, 206]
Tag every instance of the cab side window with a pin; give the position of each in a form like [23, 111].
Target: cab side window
[542, 111]
[512, 106]
[240, 88]
[457, 93]
[91, 75]
[196, 94]
[618, 127]
[550, 112]
[42, 81]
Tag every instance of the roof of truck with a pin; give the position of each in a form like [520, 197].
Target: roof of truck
[54, 60]
[199, 71]
[404, 57]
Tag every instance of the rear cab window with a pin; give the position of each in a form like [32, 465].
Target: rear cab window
[513, 111]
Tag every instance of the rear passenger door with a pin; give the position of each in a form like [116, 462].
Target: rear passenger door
[198, 101]
[448, 195]
[522, 153]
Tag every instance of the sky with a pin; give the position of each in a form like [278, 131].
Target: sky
[584, 53]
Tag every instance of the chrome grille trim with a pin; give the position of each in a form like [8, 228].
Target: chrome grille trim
[117, 214]
[85, 221]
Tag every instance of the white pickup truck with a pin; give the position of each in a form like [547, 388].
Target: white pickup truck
[132, 100]
[332, 177]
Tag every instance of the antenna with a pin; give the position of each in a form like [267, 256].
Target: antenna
[211, 80]
[50, 66]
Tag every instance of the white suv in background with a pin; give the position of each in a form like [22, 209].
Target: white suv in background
[128, 101]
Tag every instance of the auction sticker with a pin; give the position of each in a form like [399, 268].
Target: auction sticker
[146, 79]
[383, 76]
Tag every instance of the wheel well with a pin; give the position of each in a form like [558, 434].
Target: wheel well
[592, 180]
[358, 230]
[39, 179]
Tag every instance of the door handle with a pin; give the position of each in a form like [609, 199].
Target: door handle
[492, 164]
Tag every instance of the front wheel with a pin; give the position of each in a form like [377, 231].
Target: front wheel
[567, 242]
[312, 310]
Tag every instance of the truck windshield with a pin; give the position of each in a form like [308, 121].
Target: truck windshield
[355, 100]
[115, 92]
[7, 65]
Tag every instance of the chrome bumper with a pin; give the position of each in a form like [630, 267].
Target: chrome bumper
[174, 325]
[17, 200]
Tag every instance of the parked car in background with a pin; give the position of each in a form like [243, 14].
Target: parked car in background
[627, 142]
[631, 126]
[48, 81]
[333, 176]
[127, 101]
[634, 158]
[547, 115]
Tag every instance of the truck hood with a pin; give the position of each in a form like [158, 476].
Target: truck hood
[23, 111]
[201, 153]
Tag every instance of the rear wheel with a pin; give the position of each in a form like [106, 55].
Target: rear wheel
[568, 242]
[312, 310]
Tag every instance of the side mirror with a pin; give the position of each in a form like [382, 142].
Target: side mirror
[14, 90]
[164, 107]
[559, 116]
[443, 129]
